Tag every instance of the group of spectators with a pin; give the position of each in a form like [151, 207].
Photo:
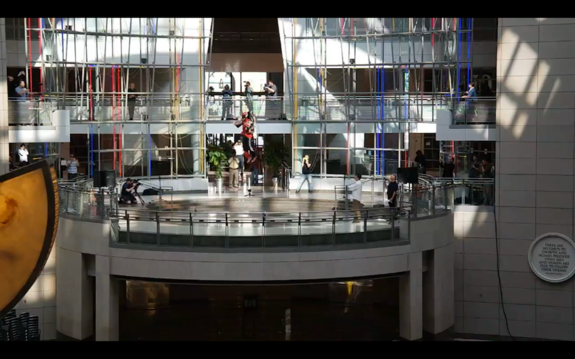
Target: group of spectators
[237, 164]
[17, 87]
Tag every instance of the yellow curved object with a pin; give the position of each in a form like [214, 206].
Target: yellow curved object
[29, 210]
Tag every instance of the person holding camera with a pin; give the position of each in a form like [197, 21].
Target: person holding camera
[271, 90]
[306, 174]
[234, 163]
[72, 167]
[129, 188]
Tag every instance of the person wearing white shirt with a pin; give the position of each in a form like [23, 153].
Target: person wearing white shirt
[23, 155]
[355, 196]
[72, 167]
[239, 148]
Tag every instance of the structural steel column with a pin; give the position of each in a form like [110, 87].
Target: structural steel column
[4, 141]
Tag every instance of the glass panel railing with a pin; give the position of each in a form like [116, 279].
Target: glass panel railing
[474, 112]
[173, 229]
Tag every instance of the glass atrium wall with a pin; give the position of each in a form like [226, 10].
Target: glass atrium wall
[356, 87]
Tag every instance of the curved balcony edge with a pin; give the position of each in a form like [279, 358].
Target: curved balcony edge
[77, 238]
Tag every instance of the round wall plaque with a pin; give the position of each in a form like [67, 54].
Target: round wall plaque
[552, 257]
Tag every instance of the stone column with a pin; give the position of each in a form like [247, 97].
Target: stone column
[438, 291]
[107, 302]
[74, 296]
[4, 141]
[410, 300]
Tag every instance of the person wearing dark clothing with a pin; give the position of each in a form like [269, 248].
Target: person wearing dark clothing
[392, 188]
[471, 98]
[448, 168]
[255, 170]
[420, 160]
[475, 169]
[487, 172]
[132, 100]
[392, 193]
[272, 105]
[127, 194]
[227, 103]
[306, 174]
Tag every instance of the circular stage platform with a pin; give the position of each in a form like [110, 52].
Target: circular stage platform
[247, 205]
[259, 202]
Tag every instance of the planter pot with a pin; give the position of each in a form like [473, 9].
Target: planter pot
[219, 184]
[275, 183]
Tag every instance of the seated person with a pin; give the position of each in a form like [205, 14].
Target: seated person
[127, 194]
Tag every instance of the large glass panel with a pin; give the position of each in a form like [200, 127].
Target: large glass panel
[336, 162]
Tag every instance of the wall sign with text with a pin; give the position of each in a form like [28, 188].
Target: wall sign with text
[552, 257]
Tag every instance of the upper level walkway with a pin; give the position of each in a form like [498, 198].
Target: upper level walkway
[193, 108]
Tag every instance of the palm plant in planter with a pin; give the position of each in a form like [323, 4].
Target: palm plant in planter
[275, 155]
[217, 159]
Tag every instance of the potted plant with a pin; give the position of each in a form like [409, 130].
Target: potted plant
[217, 159]
[275, 155]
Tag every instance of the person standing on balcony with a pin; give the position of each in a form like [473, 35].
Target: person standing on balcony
[249, 97]
[306, 174]
[271, 90]
[471, 97]
[22, 92]
[271, 103]
[132, 100]
[23, 155]
[487, 172]
[392, 188]
[227, 102]
[448, 168]
[420, 160]
[234, 163]
[72, 166]
[356, 191]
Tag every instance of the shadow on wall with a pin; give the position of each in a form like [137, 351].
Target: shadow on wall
[536, 130]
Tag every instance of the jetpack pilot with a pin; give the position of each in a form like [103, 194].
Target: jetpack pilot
[248, 128]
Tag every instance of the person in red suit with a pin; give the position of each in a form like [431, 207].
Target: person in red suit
[248, 126]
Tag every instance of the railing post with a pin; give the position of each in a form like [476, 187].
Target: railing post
[227, 236]
[333, 240]
[414, 200]
[432, 200]
[263, 230]
[299, 229]
[157, 228]
[445, 198]
[191, 231]
[67, 200]
[127, 228]
[393, 225]
[365, 226]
